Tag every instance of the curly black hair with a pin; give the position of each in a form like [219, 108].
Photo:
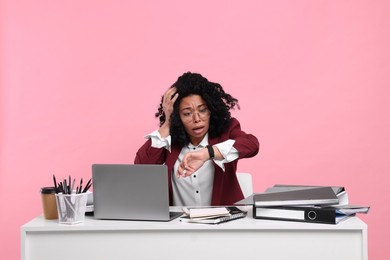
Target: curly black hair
[218, 102]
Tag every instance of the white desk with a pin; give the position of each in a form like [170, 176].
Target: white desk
[248, 238]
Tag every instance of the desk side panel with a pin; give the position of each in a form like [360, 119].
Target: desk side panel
[196, 244]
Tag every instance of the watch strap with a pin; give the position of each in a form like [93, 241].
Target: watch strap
[211, 151]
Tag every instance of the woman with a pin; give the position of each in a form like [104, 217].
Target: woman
[200, 143]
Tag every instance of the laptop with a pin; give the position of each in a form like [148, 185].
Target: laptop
[131, 192]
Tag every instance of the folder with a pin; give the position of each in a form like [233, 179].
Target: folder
[324, 215]
[310, 196]
[288, 187]
[340, 191]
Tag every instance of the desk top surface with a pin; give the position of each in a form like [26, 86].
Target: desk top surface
[247, 223]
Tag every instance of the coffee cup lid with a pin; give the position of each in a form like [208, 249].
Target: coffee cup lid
[48, 190]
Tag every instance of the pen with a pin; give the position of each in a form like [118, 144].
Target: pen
[87, 185]
[65, 187]
[69, 187]
[72, 185]
[55, 183]
[81, 185]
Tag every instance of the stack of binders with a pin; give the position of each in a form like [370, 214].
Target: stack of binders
[327, 205]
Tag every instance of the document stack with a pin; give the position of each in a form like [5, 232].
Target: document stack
[315, 204]
[212, 215]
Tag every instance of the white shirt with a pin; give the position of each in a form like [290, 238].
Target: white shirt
[195, 190]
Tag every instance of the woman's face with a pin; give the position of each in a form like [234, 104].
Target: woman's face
[195, 116]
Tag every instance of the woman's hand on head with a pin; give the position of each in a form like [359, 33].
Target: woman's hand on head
[168, 100]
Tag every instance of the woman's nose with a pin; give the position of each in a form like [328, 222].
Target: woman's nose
[196, 117]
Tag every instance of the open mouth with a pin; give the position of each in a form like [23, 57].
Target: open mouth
[198, 130]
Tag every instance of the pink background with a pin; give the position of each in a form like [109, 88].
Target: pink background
[80, 82]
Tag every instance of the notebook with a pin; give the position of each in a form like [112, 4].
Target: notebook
[232, 213]
[131, 192]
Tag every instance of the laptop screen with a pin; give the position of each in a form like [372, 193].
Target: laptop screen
[130, 192]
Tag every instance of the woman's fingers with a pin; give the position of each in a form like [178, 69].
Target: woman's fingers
[174, 97]
[169, 94]
[169, 99]
[184, 170]
[180, 170]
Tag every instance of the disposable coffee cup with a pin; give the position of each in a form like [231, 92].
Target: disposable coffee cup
[49, 204]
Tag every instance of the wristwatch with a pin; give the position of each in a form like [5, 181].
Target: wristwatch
[211, 151]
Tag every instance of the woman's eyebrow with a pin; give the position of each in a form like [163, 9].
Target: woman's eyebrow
[190, 108]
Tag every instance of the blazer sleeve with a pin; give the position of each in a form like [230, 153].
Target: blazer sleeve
[150, 155]
[246, 144]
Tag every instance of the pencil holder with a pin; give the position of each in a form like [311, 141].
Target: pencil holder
[71, 207]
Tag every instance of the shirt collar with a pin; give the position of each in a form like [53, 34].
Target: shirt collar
[203, 143]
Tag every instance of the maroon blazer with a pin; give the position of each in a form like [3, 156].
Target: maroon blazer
[226, 189]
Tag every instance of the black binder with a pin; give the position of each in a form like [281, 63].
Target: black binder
[324, 215]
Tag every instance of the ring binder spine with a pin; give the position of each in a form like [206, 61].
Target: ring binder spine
[300, 214]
